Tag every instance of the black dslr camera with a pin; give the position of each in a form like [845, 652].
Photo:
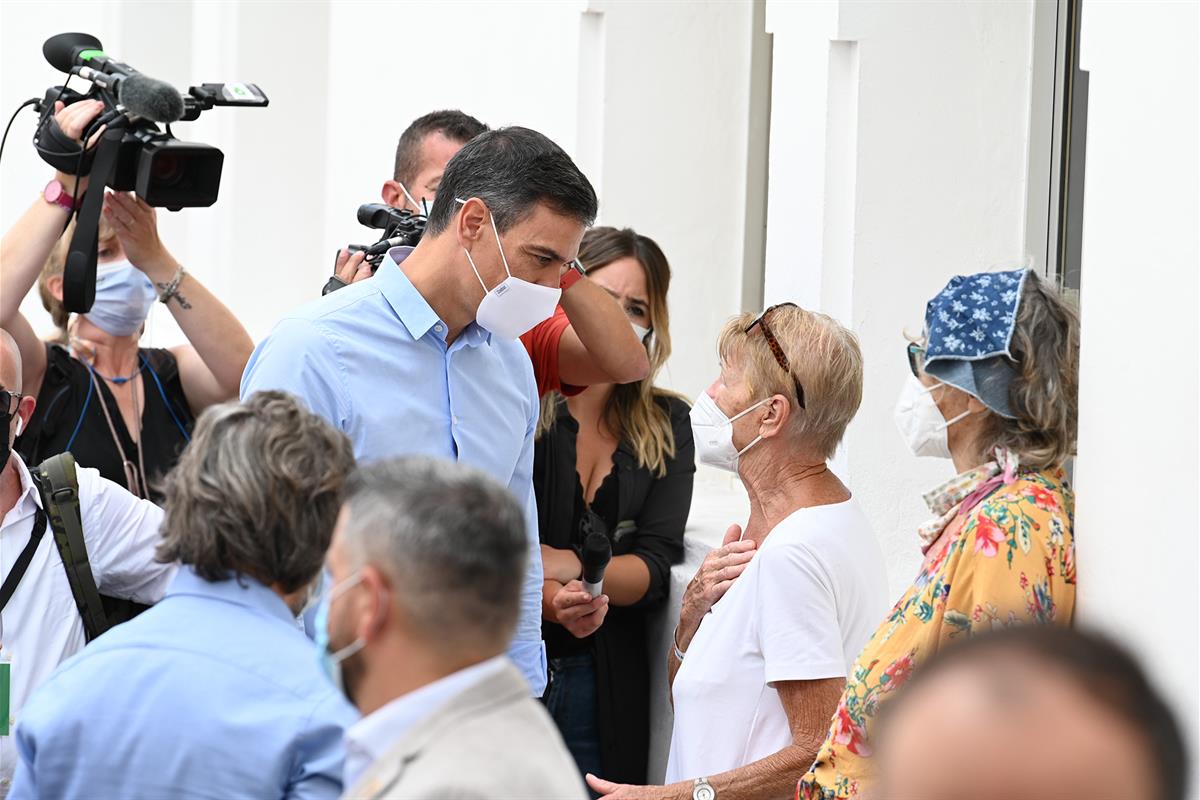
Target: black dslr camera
[132, 153]
[401, 228]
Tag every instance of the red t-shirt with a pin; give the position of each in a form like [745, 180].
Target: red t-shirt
[541, 342]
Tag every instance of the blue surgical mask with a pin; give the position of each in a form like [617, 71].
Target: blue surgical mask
[124, 297]
[331, 663]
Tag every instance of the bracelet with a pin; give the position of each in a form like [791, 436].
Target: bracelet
[679, 654]
[171, 289]
[572, 276]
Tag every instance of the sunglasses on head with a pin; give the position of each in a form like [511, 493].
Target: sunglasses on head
[776, 350]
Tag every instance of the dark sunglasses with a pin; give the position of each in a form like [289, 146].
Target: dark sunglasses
[9, 401]
[777, 351]
[916, 358]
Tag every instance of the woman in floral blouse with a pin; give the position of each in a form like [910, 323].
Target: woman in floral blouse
[994, 389]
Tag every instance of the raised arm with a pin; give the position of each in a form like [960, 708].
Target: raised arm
[26, 246]
[211, 367]
[600, 346]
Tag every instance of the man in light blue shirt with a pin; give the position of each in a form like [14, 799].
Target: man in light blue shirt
[423, 360]
[214, 692]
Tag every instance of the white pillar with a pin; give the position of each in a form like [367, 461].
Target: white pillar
[1137, 473]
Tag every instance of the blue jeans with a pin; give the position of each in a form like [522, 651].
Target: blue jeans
[571, 701]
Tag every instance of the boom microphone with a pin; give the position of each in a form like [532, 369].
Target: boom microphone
[150, 99]
[597, 552]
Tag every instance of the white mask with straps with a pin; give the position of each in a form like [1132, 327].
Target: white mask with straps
[713, 433]
[513, 306]
[920, 422]
[421, 207]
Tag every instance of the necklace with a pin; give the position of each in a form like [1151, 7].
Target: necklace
[135, 474]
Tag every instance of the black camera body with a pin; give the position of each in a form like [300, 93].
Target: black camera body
[401, 228]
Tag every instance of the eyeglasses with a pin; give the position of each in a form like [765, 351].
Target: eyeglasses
[9, 401]
[776, 350]
[916, 357]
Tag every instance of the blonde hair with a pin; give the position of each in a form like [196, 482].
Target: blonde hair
[1044, 395]
[822, 355]
[633, 411]
[53, 268]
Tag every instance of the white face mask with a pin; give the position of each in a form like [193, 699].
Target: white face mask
[513, 306]
[421, 207]
[124, 297]
[713, 433]
[920, 422]
[641, 332]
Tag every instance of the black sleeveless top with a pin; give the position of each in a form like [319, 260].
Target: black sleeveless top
[69, 417]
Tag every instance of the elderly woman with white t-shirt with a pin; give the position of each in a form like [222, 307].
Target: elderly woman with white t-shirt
[775, 616]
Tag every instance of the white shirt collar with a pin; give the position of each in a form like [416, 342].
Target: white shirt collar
[372, 736]
[28, 501]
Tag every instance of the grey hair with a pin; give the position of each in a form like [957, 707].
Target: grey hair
[452, 540]
[256, 491]
[1045, 393]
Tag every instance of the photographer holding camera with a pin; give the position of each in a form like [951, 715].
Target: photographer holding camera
[586, 342]
[125, 410]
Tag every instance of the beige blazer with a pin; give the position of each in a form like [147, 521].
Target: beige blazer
[491, 741]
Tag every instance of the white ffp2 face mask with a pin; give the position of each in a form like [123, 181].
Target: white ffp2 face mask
[713, 433]
[641, 332]
[513, 306]
[920, 422]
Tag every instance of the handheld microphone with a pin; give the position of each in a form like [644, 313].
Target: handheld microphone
[597, 552]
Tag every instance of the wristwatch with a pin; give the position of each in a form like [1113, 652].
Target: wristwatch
[57, 194]
[574, 272]
[703, 790]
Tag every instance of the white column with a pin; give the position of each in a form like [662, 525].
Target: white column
[1137, 471]
[899, 138]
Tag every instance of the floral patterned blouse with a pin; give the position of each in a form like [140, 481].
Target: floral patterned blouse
[1011, 562]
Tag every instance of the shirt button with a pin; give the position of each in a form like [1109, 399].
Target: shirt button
[438, 328]
[453, 420]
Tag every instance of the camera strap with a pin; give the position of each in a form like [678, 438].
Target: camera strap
[79, 274]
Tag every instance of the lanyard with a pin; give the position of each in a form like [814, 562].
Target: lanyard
[22, 564]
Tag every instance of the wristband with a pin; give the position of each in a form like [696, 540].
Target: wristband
[171, 289]
[675, 643]
[572, 275]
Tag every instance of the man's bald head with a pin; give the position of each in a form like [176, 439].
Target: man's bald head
[10, 363]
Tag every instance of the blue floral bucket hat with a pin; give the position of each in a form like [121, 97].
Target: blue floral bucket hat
[969, 325]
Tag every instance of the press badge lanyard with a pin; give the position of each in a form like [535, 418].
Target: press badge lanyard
[6, 592]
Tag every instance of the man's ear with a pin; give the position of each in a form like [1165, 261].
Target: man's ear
[54, 285]
[376, 603]
[392, 195]
[469, 224]
[778, 412]
[25, 411]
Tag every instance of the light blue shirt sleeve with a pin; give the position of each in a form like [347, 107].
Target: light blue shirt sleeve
[298, 358]
[527, 650]
[24, 787]
[320, 753]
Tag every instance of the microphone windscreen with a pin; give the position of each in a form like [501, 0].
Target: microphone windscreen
[152, 99]
[60, 50]
[597, 552]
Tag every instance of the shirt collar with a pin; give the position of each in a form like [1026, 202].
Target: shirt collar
[414, 311]
[29, 493]
[242, 590]
[373, 735]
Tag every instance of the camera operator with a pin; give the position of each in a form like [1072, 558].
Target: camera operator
[125, 410]
[587, 341]
[423, 360]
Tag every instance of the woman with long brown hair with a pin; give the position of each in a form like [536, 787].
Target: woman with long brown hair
[616, 459]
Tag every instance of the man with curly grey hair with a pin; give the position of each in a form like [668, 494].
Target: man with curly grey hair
[215, 692]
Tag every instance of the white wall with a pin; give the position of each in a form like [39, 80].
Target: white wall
[651, 99]
[899, 136]
[1137, 474]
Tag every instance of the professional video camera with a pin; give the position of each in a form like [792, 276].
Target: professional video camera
[132, 153]
[401, 228]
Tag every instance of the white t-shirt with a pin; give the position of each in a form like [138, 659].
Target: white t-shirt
[807, 603]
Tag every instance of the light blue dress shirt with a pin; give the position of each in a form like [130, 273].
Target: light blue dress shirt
[372, 358]
[212, 693]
